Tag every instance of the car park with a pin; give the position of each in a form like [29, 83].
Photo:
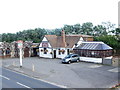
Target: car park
[71, 58]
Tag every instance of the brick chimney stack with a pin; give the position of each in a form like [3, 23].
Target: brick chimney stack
[63, 38]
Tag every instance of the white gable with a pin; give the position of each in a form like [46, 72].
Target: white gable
[81, 39]
[45, 39]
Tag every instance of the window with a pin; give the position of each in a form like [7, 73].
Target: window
[63, 51]
[92, 53]
[7, 51]
[59, 52]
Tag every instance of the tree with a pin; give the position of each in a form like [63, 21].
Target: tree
[68, 29]
[87, 28]
[99, 30]
[77, 29]
[109, 26]
[8, 37]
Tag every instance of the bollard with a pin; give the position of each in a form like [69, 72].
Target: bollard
[33, 67]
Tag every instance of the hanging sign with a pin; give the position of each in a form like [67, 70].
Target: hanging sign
[20, 43]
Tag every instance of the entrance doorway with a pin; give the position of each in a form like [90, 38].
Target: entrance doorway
[68, 51]
[54, 53]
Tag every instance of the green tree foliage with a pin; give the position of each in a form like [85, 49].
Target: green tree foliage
[9, 37]
[99, 30]
[54, 32]
[69, 29]
[87, 28]
[109, 26]
[34, 35]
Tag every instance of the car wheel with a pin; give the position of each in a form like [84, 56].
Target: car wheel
[69, 62]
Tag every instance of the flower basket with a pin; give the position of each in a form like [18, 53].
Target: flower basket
[71, 51]
[60, 50]
[46, 50]
[51, 53]
[41, 50]
[37, 50]
[63, 51]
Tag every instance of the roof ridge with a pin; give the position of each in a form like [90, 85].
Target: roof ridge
[50, 35]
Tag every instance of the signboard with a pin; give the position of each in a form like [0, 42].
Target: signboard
[20, 43]
[44, 44]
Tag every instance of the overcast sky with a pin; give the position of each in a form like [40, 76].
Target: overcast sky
[18, 15]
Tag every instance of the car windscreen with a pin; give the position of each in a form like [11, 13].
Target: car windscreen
[68, 56]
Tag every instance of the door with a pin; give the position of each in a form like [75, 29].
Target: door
[54, 53]
[34, 51]
[68, 51]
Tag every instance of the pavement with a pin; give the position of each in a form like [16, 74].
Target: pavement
[75, 75]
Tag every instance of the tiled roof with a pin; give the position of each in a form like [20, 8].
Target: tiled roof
[57, 41]
[94, 46]
[79, 35]
[52, 40]
[71, 41]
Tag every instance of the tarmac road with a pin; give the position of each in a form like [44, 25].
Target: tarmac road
[12, 79]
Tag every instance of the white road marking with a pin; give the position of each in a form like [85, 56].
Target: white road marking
[61, 86]
[114, 70]
[4, 77]
[23, 85]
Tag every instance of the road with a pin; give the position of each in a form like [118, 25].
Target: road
[12, 79]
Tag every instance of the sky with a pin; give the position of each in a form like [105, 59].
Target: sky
[19, 15]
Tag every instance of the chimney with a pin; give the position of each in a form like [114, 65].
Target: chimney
[63, 38]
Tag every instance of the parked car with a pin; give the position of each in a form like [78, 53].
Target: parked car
[71, 58]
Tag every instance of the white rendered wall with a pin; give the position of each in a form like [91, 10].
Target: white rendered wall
[90, 59]
[48, 55]
[61, 55]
